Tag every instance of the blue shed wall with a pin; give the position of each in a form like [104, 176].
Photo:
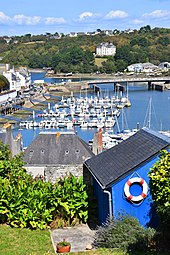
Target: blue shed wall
[144, 211]
[102, 201]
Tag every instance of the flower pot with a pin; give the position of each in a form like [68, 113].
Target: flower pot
[63, 249]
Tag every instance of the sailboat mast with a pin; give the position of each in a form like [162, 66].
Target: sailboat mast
[127, 91]
[149, 119]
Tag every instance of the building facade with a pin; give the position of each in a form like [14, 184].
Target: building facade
[106, 49]
[18, 79]
[54, 155]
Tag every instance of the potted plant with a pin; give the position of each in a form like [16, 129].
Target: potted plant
[63, 246]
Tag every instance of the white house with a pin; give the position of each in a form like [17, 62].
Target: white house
[106, 49]
[18, 79]
[138, 67]
[142, 67]
[164, 65]
[149, 67]
[73, 34]
[108, 32]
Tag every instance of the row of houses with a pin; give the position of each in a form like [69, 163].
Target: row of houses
[108, 32]
[148, 67]
[118, 176]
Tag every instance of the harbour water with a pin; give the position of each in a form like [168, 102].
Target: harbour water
[139, 114]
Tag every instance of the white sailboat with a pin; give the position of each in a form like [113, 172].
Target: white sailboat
[150, 114]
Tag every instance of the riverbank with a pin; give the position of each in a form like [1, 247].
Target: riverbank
[80, 76]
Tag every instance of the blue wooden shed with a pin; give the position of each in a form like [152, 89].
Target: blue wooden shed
[120, 176]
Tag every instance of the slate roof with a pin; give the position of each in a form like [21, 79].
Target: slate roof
[109, 166]
[51, 148]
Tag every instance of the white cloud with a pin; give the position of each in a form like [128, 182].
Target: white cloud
[52, 20]
[4, 18]
[21, 19]
[137, 21]
[158, 14]
[86, 15]
[116, 14]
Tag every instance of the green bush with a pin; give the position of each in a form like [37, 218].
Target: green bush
[29, 203]
[160, 189]
[124, 233]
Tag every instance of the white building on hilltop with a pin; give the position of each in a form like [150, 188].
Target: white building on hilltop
[106, 49]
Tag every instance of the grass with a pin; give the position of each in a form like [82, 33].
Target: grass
[24, 241]
[98, 61]
[15, 241]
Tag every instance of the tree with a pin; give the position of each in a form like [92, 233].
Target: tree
[164, 40]
[4, 83]
[160, 185]
[145, 29]
[109, 66]
[160, 189]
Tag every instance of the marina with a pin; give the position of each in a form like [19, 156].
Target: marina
[75, 112]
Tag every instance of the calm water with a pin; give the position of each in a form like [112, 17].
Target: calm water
[137, 113]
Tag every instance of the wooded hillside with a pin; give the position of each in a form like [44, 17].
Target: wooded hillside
[76, 54]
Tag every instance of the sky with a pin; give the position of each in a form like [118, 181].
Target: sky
[20, 17]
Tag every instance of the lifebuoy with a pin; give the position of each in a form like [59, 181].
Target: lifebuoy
[127, 186]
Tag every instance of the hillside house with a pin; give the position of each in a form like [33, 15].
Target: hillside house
[106, 49]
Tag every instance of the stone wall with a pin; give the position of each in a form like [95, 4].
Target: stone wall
[35, 170]
[53, 172]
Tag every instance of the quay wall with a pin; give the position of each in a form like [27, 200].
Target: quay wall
[6, 96]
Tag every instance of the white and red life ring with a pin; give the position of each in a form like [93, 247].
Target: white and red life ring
[140, 197]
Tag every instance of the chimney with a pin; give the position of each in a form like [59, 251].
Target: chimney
[7, 126]
[100, 143]
[97, 142]
[14, 144]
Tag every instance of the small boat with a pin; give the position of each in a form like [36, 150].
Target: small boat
[84, 124]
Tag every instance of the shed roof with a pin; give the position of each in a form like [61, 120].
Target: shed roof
[109, 166]
[51, 148]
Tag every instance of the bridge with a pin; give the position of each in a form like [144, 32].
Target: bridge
[122, 82]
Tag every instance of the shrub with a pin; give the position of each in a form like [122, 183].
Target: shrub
[124, 233]
[29, 203]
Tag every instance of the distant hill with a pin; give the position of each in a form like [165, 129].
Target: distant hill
[76, 54]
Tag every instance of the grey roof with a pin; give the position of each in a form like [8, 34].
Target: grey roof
[51, 148]
[109, 166]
